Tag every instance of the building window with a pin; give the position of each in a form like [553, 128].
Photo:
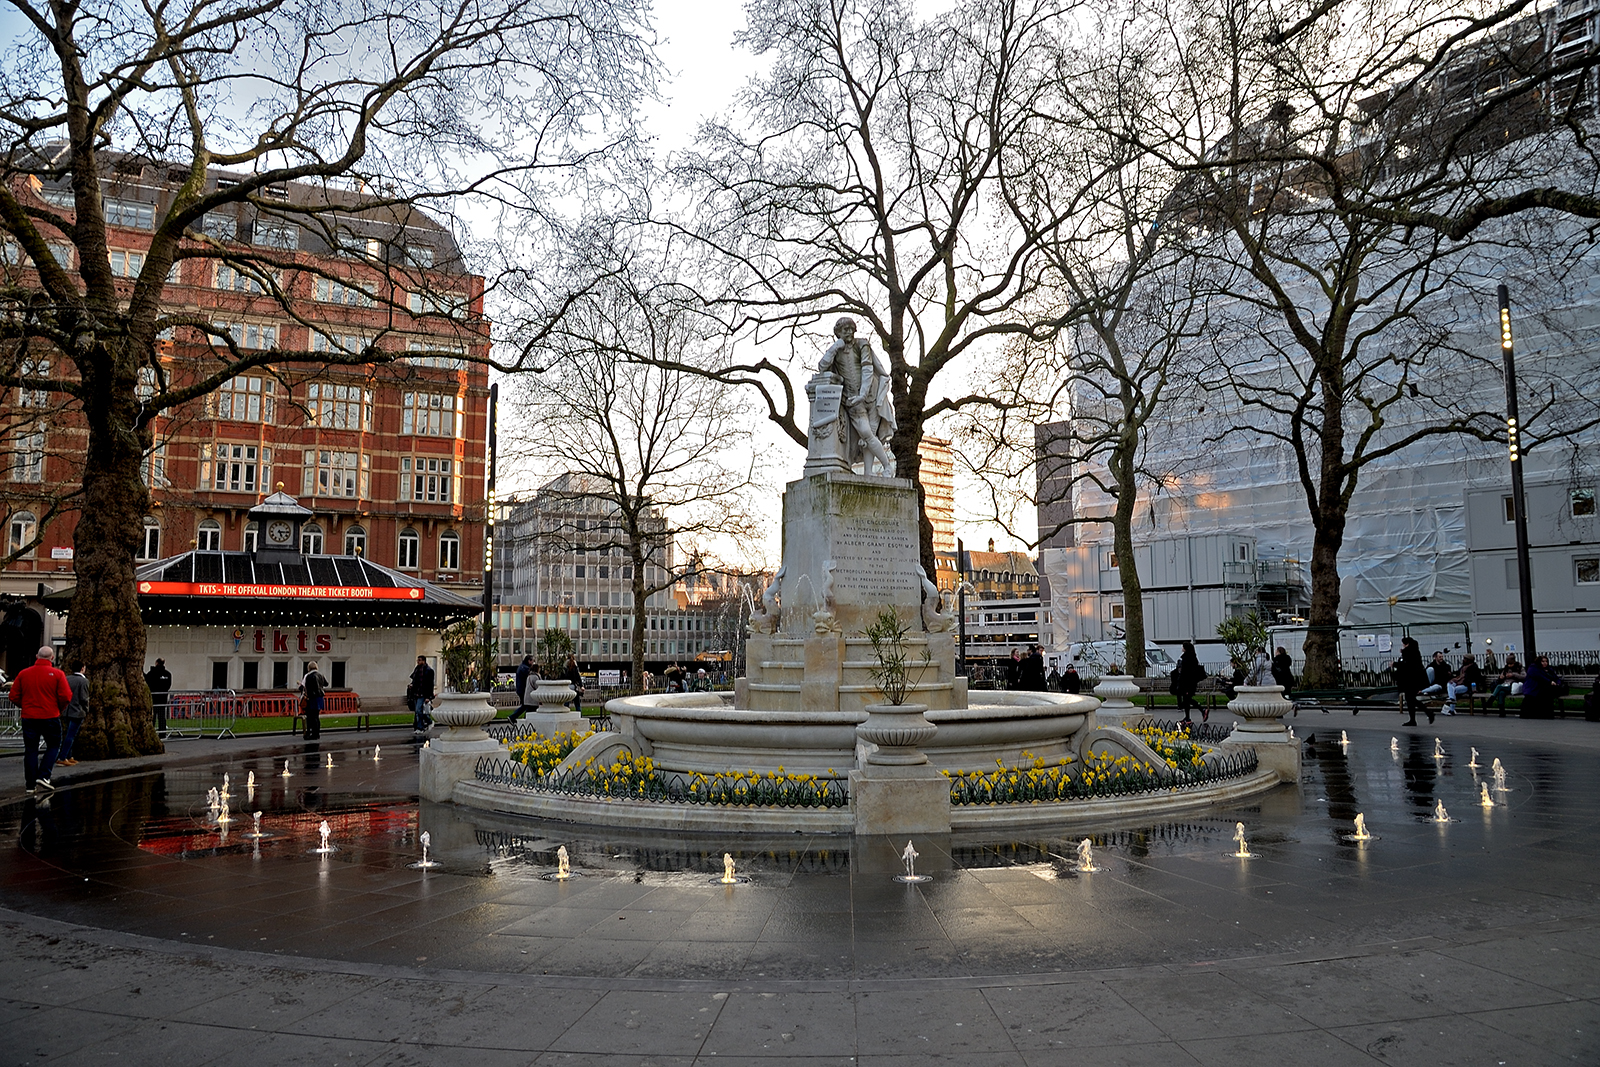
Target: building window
[410, 545]
[221, 226]
[130, 214]
[449, 552]
[27, 462]
[311, 539]
[338, 342]
[453, 305]
[1588, 570]
[339, 407]
[1118, 610]
[355, 541]
[245, 399]
[430, 414]
[209, 536]
[281, 235]
[337, 474]
[1582, 503]
[236, 468]
[440, 354]
[332, 292]
[150, 543]
[33, 398]
[429, 479]
[247, 334]
[1511, 508]
[126, 264]
[244, 280]
[419, 255]
[252, 535]
[24, 527]
[154, 471]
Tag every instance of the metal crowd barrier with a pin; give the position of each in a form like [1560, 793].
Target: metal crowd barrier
[194, 712]
[10, 723]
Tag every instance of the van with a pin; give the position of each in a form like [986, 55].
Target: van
[1100, 657]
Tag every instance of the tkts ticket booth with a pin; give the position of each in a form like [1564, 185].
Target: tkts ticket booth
[246, 624]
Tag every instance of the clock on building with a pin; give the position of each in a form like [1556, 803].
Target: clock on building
[279, 532]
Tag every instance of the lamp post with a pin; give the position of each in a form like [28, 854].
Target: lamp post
[961, 607]
[1518, 502]
[490, 662]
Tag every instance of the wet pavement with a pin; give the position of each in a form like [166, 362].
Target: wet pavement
[141, 928]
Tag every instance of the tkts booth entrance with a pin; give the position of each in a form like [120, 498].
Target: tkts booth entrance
[240, 627]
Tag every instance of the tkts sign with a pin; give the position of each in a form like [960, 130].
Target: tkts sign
[299, 639]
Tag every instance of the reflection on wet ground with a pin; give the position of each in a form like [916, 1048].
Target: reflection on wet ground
[146, 853]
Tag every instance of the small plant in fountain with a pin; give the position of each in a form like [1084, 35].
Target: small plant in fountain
[1240, 634]
[554, 646]
[896, 673]
[460, 654]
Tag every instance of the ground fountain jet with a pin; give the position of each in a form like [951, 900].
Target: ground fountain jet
[1086, 857]
[1361, 833]
[908, 856]
[375, 750]
[1500, 777]
[728, 877]
[1243, 851]
[324, 830]
[1439, 814]
[1473, 762]
[286, 773]
[424, 864]
[256, 834]
[1438, 749]
[1394, 747]
[1344, 740]
[329, 764]
[1485, 800]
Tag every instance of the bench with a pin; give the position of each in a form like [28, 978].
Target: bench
[336, 705]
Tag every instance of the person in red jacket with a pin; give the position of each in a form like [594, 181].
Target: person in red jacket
[41, 694]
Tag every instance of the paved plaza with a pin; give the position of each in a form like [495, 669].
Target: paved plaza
[137, 932]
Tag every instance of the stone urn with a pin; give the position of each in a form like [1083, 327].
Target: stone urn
[453, 757]
[464, 713]
[1260, 709]
[1115, 692]
[549, 708]
[899, 731]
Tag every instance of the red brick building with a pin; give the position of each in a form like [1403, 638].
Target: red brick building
[390, 457]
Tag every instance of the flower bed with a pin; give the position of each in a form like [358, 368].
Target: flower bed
[630, 777]
[1100, 775]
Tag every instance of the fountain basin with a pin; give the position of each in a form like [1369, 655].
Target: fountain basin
[703, 732]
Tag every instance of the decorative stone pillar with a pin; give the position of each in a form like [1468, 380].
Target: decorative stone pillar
[1260, 709]
[896, 790]
[554, 715]
[452, 757]
[1114, 692]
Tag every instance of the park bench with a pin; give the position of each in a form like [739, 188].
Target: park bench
[336, 705]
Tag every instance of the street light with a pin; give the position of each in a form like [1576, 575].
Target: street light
[1518, 503]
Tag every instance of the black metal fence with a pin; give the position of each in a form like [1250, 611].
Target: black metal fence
[514, 732]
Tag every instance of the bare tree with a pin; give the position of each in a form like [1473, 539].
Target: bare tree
[656, 464]
[865, 176]
[411, 101]
[1341, 342]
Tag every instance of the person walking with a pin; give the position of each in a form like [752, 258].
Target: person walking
[526, 672]
[1031, 676]
[419, 694]
[159, 681]
[1186, 680]
[1014, 670]
[1260, 672]
[575, 676]
[1283, 670]
[77, 710]
[1412, 677]
[1071, 680]
[41, 694]
[315, 688]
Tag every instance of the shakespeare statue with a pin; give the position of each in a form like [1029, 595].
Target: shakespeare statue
[867, 401]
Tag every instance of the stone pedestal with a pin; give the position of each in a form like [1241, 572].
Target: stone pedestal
[1115, 691]
[1260, 709]
[553, 713]
[900, 800]
[454, 756]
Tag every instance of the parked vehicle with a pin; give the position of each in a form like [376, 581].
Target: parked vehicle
[1098, 658]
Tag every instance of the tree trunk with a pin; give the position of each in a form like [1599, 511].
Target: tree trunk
[104, 627]
[1132, 590]
[640, 597]
[1330, 510]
